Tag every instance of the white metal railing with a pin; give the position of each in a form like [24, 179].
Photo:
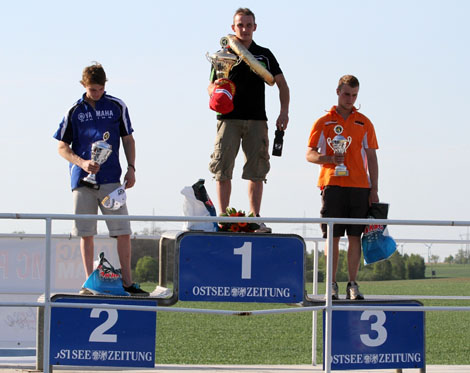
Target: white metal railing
[328, 307]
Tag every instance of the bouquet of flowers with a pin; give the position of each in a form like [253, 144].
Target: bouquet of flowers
[238, 226]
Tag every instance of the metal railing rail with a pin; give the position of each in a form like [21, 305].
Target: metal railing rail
[328, 307]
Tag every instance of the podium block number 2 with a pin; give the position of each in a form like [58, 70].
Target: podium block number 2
[245, 252]
[98, 334]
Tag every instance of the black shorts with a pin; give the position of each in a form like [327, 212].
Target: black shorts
[344, 202]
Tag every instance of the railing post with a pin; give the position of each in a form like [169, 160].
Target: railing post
[315, 313]
[40, 339]
[47, 298]
[329, 302]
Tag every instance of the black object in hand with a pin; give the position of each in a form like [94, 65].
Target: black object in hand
[278, 142]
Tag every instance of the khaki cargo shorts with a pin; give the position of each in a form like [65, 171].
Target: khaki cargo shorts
[86, 201]
[253, 135]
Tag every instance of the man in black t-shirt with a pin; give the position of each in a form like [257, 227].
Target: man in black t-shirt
[247, 123]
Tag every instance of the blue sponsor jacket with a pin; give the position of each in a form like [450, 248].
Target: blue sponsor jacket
[82, 126]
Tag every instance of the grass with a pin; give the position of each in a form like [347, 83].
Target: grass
[187, 338]
[444, 270]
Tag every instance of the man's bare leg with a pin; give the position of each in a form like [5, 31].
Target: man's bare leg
[224, 190]
[354, 256]
[87, 250]
[335, 256]
[124, 253]
[255, 194]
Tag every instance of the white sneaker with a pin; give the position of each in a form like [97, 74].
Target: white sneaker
[334, 291]
[263, 229]
[352, 291]
[85, 291]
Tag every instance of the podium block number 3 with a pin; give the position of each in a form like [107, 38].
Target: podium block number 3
[245, 252]
[97, 335]
[377, 326]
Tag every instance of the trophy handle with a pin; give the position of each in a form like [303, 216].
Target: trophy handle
[328, 140]
[238, 61]
[349, 142]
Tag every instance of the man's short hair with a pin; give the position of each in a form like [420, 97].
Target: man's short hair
[349, 80]
[245, 12]
[93, 74]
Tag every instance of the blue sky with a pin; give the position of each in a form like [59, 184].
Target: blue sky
[411, 58]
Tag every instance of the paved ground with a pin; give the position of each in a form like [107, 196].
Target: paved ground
[6, 367]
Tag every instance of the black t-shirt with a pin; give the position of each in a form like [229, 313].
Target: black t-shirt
[249, 102]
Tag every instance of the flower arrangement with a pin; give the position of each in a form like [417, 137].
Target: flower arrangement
[238, 226]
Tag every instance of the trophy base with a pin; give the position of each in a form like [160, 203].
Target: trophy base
[89, 184]
[341, 172]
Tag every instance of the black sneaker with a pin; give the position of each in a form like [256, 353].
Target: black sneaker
[135, 290]
[352, 291]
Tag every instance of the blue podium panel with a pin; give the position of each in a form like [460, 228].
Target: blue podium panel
[375, 339]
[103, 337]
[241, 267]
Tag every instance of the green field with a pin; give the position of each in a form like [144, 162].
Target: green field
[191, 338]
[444, 270]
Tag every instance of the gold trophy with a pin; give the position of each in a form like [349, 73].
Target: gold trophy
[222, 60]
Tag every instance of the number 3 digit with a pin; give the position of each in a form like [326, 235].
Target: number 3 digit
[376, 326]
[98, 334]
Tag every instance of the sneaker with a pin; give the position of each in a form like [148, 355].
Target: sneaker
[85, 291]
[334, 291]
[352, 291]
[135, 290]
[263, 229]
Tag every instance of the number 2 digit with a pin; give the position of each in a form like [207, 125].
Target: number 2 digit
[98, 334]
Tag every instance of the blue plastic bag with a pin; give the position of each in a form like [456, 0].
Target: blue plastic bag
[377, 245]
[105, 279]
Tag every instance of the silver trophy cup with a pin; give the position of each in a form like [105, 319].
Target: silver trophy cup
[100, 151]
[223, 61]
[339, 144]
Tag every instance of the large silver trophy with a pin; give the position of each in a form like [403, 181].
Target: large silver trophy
[100, 152]
[340, 144]
[222, 60]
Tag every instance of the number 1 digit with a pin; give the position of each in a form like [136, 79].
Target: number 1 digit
[245, 252]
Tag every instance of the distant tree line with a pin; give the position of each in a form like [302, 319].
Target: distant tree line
[397, 267]
[462, 257]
